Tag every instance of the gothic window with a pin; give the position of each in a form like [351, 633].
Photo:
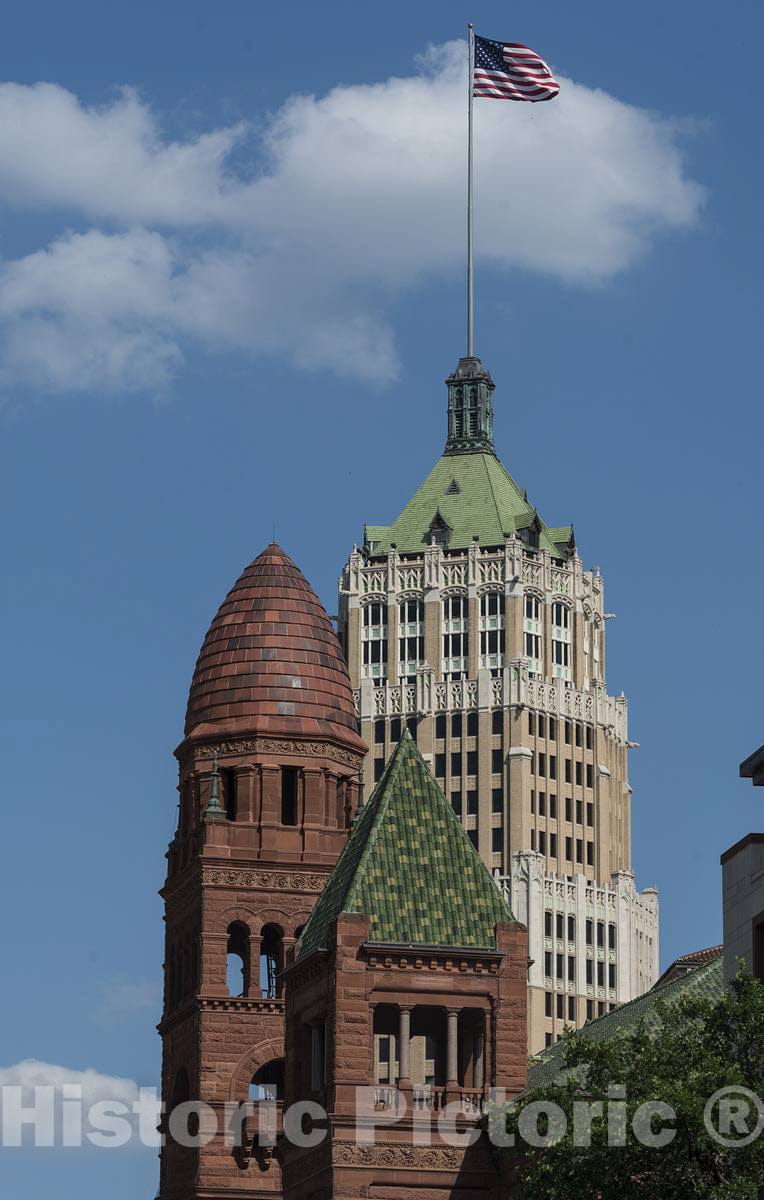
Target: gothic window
[268, 1082]
[458, 412]
[271, 960]
[237, 960]
[374, 638]
[410, 638]
[561, 622]
[492, 634]
[473, 412]
[455, 637]
[530, 536]
[532, 633]
[440, 532]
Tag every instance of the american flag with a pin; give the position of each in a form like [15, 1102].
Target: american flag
[509, 71]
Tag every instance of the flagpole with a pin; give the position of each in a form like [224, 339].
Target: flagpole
[470, 280]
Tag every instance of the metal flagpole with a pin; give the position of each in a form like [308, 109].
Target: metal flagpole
[470, 281]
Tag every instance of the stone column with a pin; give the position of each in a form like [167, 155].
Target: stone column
[289, 944]
[452, 1060]
[404, 1047]
[479, 1052]
[252, 967]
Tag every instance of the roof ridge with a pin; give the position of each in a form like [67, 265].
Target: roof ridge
[493, 490]
[656, 991]
[392, 770]
[406, 839]
[716, 951]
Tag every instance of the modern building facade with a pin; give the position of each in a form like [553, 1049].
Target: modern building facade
[474, 625]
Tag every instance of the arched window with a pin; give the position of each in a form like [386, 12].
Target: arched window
[492, 635]
[374, 639]
[237, 962]
[458, 413]
[268, 1082]
[561, 640]
[532, 633]
[271, 960]
[473, 413]
[410, 639]
[455, 637]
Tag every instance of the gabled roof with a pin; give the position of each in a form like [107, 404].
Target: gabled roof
[689, 962]
[753, 767]
[488, 506]
[411, 868]
[706, 981]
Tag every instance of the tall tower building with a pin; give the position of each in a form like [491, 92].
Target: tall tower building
[269, 782]
[473, 624]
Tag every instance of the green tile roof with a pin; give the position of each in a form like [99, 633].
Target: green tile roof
[485, 503]
[706, 981]
[411, 868]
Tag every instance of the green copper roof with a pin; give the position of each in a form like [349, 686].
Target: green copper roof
[411, 868]
[476, 498]
[706, 981]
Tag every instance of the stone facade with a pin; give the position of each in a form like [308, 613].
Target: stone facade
[518, 725]
[349, 993]
[604, 937]
[269, 783]
[267, 789]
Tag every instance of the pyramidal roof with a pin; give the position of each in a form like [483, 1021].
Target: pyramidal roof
[485, 505]
[468, 492]
[411, 868]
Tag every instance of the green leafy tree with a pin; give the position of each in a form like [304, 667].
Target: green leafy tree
[695, 1048]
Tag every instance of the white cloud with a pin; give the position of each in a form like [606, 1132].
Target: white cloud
[32, 1073]
[349, 198]
[48, 1105]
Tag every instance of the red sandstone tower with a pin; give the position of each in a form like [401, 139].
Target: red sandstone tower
[406, 1007]
[269, 770]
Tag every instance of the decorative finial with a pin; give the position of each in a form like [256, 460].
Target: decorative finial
[214, 808]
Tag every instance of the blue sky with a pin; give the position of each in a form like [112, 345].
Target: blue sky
[221, 307]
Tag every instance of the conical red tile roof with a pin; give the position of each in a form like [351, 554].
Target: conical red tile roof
[271, 662]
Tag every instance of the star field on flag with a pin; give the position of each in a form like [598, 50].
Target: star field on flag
[510, 71]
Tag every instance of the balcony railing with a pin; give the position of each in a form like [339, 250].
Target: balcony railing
[426, 1097]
